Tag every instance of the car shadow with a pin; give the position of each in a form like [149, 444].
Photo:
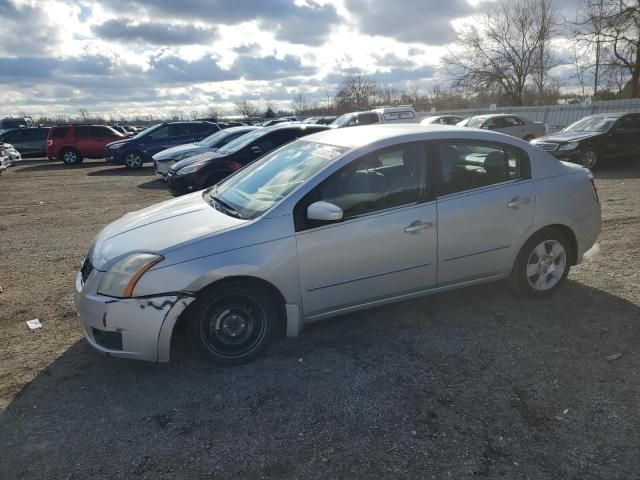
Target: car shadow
[122, 171]
[155, 184]
[50, 166]
[618, 169]
[477, 373]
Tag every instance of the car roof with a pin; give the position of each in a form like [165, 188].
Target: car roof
[608, 115]
[301, 126]
[356, 137]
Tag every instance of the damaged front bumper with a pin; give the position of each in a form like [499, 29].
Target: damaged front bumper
[136, 328]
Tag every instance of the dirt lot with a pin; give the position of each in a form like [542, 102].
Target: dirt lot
[475, 383]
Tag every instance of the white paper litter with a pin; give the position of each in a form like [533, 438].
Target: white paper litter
[33, 324]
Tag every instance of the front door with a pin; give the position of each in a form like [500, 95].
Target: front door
[486, 202]
[386, 244]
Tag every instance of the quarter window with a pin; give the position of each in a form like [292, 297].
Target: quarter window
[468, 165]
[83, 132]
[383, 179]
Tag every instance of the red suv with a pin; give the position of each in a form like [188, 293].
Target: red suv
[72, 143]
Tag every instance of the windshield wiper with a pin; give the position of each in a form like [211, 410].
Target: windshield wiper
[226, 208]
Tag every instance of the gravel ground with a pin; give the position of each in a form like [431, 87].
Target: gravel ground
[473, 383]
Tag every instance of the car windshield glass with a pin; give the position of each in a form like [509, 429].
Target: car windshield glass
[476, 122]
[262, 184]
[148, 130]
[243, 141]
[592, 124]
[213, 140]
[342, 119]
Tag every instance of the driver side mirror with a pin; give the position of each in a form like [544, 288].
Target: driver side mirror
[256, 150]
[324, 212]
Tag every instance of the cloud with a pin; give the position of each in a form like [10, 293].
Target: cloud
[26, 29]
[270, 67]
[391, 60]
[124, 30]
[308, 23]
[420, 21]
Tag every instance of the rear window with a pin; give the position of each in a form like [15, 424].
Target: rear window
[59, 132]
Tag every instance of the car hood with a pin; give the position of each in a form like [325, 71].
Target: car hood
[119, 142]
[202, 157]
[159, 228]
[189, 148]
[562, 137]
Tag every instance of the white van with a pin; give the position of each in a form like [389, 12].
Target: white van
[399, 114]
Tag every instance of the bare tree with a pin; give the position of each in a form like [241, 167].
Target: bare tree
[357, 92]
[84, 113]
[247, 109]
[504, 49]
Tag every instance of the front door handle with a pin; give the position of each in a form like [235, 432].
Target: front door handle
[418, 226]
[517, 202]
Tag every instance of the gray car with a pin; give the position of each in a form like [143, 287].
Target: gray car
[336, 222]
[508, 124]
[164, 160]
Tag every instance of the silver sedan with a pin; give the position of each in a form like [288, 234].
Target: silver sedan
[336, 222]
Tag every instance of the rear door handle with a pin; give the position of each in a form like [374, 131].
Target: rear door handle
[517, 202]
[418, 226]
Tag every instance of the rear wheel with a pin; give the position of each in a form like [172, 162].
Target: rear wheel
[133, 160]
[232, 323]
[542, 264]
[71, 156]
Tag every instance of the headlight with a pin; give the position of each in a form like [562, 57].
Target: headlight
[194, 167]
[122, 278]
[569, 146]
[116, 146]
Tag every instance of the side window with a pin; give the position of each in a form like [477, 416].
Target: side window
[367, 118]
[12, 136]
[627, 125]
[387, 178]
[178, 130]
[158, 133]
[276, 139]
[83, 132]
[198, 128]
[59, 132]
[512, 121]
[43, 133]
[469, 165]
[102, 132]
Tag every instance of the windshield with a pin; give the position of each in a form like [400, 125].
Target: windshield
[148, 130]
[262, 184]
[213, 140]
[243, 141]
[592, 124]
[475, 122]
[342, 119]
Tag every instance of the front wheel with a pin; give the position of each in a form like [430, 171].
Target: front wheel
[232, 324]
[542, 264]
[589, 159]
[133, 160]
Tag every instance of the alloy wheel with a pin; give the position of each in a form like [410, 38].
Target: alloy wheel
[133, 160]
[70, 157]
[546, 265]
[589, 159]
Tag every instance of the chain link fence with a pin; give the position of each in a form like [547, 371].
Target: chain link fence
[556, 117]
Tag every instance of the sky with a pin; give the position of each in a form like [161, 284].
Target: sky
[161, 57]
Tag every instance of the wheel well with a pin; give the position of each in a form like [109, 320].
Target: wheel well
[567, 232]
[258, 283]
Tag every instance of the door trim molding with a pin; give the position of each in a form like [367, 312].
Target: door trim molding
[486, 250]
[366, 277]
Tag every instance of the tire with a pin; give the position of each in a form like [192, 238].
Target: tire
[528, 138]
[215, 178]
[542, 264]
[232, 323]
[71, 156]
[133, 160]
[589, 159]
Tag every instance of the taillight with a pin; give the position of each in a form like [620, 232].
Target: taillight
[593, 187]
[49, 142]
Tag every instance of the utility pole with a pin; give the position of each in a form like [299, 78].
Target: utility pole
[598, 42]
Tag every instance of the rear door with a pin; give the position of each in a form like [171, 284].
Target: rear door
[84, 141]
[486, 202]
[626, 137]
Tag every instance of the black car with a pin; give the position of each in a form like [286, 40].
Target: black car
[30, 142]
[207, 169]
[595, 139]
